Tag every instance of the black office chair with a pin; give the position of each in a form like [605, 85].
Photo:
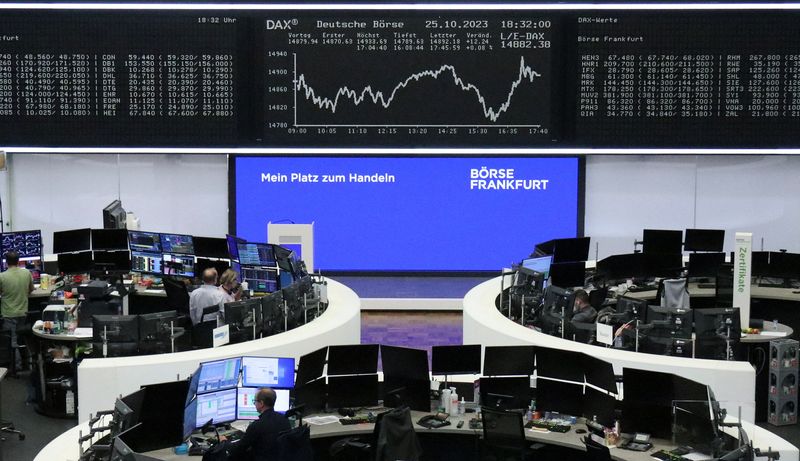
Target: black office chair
[503, 435]
[203, 334]
[295, 445]
[395, 437]
[177, 295]
[597, 298]
[595, 451]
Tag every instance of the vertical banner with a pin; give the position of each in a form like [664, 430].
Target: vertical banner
[742, 256]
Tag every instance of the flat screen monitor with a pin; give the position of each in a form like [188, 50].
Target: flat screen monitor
[189, 418]
[148, 263]
[353, 359]
[599, 373]
[716, 322]
[312, 395]
[75, 263]
[115, 328]
[658, 241]
[564, 398]
[72, 240]
[785, 265]
[114, 216]
[161, 415]
[597, 406]
[759, 262]
[177, 243]
[272, 313]
[178, 265]
[109, 239]
[311, 366]
[557, 299]
[454, 360]
[508, 360]
[704, 240]
[571, 274]
[233, 246]
[670, 321]
[663, 264]
[201, 264]
[216, 407]
[405, 363]
[194, 380]
[352, 391]
[622, 266]
[693, 425]
[274, 372]
[505, 393]
[259, 279]
[413, 393]
[256, 254]
[636, 308]
[218, 375]
[157, 326]
[539, 265]
[246, 407]
[571, 249]
[149, 242]
[243, 316]
[118, 261]
[705, 264]
[559, 364]
[28, 244]
[210, 247]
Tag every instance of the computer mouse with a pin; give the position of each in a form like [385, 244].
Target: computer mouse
[580, 431]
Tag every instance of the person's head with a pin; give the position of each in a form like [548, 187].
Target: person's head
[228, 279]
[210, 276]
[581, 300]
[12, 258]
[265, 399]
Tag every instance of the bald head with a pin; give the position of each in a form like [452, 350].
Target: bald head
[210, 276]
[267, 397]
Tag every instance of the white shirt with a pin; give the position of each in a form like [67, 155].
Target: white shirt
[202, 297]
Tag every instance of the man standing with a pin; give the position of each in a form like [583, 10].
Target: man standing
[16, 284]
[260, 439]
[207, 295]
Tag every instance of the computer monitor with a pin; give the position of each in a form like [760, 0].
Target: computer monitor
[256, 254]
[241, 317]
[405, 363]
[75, 263]
[109, 239]
[127, 410]
[663, 264]
[155, 331]
[272, 313]
[559, 364]
[400, 391]
[216, 407]
[311, 366]
[274, 372]
[177, 243]
[178, 265]
[194, 380]
[661, 241]
[115, 328]
[114, 216]
[556, 298]
[352, 391]
[759, 262]
[571, 274]
[72, 240]
[312, 395]
[210, 247]
[352, 359]
[598, 406]
[599, 373]
[218, 375]
[784, 265]
[622, 266]
[704, 240]
[246, 407]
[670, 321]
[260, 279]
[571, 249]
[717, 322]
[634, 307]
[148, 263]
[189, 418]
[506, 393]
[454, 360]
[693, 425]
[114, 261]
[149, 242]
[28, 244]
[508, 360]
[233, 246]
[564, 398]
[201, 264]
[540, 265]
[705, 264]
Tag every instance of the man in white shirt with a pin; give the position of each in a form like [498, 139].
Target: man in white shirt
[206, 295]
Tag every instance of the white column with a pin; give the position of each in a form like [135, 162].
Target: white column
[742, 257]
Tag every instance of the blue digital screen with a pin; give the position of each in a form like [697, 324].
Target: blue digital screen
[412, 213]
[268, 372]
[220, 374]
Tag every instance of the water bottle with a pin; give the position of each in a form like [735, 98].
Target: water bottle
[462, 406]
[453, 402]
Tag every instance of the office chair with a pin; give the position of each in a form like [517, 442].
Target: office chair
[503, 435]
[595, 451]
[597, 298]
[202, 334]
[673, 293]
[295, 445]
[177, 295]
[395, 437]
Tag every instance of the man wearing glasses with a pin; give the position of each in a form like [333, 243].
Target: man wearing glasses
[260, 439]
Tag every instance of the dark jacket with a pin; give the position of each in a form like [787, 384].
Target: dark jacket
[261, 437]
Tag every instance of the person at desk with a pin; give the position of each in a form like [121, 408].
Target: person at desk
[582, 310]
[230, 287]
[15, 285]
[260, 441]
[208, 294]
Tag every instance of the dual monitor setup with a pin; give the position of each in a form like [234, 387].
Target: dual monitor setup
[28, 245]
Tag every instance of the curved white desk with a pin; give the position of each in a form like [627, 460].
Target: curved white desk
[101, 381]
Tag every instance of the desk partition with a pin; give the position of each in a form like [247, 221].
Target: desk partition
[733, 383]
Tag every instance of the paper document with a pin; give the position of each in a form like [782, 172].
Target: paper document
[773, 333]
[320, 420]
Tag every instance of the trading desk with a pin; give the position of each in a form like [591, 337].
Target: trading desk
[65, 447]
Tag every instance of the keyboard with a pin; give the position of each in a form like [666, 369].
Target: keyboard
[356, 420]
[706, 285]
[552, 427]
[641, 288]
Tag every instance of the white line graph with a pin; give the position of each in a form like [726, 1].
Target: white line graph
[526, 73]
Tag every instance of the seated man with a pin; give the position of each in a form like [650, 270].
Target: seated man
[206, 295]
[583, 312]
[260, 439]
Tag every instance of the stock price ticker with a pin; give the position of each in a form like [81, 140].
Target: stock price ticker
[678, 79]
[390, 78]
[117, 79]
